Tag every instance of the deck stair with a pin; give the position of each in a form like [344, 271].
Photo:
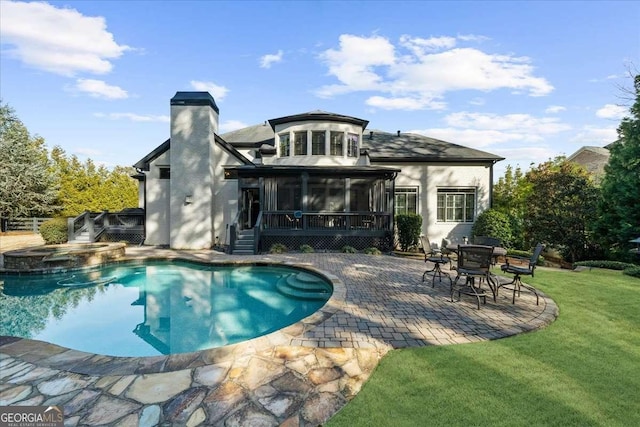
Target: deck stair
[304, 286]
[245, 243]
[83, 237]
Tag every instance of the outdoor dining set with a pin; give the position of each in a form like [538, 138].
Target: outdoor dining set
[473, 267]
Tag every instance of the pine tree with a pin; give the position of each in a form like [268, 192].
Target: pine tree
[619, 207]
[27, 184]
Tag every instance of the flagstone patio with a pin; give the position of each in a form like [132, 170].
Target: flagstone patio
[299, 376]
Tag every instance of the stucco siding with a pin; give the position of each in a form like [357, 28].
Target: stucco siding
[428, 177]
[157, 203]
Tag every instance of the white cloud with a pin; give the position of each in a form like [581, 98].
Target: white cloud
[552, 109]
[403, 103]
[267, 60]
[354, 64]
[100, 89]
[61, 41]
[89, 152]
[231, 125]
[521, 123]
[133, 117]
[491, 130]
[612, 111]
[218, 92]
[590, 135]
[424, 69]
[477, 101]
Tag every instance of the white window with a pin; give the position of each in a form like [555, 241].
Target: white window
[317, 143]
[285, 145]
[352, 145]
[456, 204]
[300, 143]
[337, 142]
[406, 201]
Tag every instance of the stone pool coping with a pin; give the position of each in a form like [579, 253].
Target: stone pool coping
[57, 357]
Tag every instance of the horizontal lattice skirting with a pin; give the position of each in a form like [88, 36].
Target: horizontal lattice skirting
[133, 237]
[327, 242]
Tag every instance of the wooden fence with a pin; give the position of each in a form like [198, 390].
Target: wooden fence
[23, 224]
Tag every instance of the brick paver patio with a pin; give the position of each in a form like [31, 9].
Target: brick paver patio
[296, 377]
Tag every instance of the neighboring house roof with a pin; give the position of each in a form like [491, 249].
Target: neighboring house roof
[592, 158]
[411, 147]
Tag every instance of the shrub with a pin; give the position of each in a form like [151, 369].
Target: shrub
[493, 223]
[348, 250]
[277, 248]
[524, 254]
[409, 227]
[611, 265]
[306, 249]
[633, 271]
[54, 231]
[372, 251]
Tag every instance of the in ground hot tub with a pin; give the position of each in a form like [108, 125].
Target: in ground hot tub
[56, 257]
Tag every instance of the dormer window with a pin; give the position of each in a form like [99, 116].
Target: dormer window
[285, 145]
[300, 143]
[352, 145]
[317, 143]
[337, 142]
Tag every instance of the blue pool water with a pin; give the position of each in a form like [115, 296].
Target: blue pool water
[161, 307]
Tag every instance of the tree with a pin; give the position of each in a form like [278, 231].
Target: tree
[560, 207]
[27, 184]
[87, 187]
[510, 197]
[619, 207]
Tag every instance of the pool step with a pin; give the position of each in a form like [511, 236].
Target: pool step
[304, 286]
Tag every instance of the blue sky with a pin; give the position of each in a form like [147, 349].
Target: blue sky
[524, 80]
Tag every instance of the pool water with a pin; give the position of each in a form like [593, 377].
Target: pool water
[161, 307]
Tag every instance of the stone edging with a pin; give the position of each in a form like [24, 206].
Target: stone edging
[57, 357]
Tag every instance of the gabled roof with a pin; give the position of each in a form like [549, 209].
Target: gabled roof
[321, 116]
[411, 147]
[603, 151]
[143, 164]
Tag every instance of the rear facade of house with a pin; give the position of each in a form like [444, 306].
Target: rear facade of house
[316, 178]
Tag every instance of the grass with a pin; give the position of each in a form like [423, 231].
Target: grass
[582, 370]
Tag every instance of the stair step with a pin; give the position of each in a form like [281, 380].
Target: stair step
[243, 252]
[285, 287]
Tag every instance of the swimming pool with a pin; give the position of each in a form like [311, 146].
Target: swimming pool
[158, 307]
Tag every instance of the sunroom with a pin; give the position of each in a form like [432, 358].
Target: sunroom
[324, 207]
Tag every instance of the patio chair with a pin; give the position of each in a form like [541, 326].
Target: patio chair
[521, 266]
[474, 262]
[488, 241]
[437, 258]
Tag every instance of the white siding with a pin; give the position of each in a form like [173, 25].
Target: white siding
[431, 176]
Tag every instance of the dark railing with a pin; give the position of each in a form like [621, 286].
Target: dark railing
[326, 221]
[98, 224]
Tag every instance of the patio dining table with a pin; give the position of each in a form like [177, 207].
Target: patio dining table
[497, 250]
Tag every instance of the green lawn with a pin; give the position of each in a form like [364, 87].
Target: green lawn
[582, 370]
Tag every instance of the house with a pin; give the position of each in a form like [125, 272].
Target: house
[314, 178]
[593, 159]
